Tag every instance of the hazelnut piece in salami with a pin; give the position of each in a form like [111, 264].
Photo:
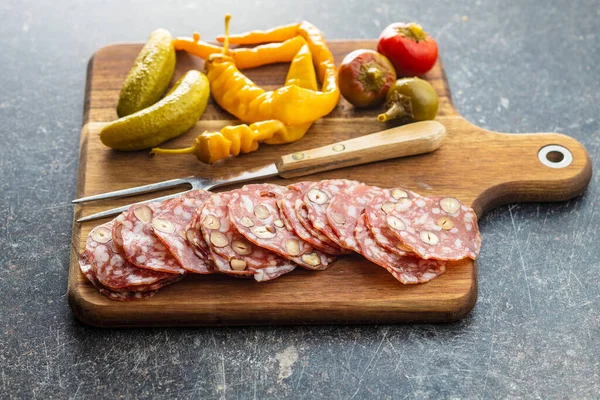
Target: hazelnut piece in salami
[247, 222]
[317, 196]
[237, 265]
[278, 223]
[261, 211]
[396, 223]
[118, 236]
[190, 235]
[293, 247]
[241, 247]
[211, 222]
[445, 223]
[101, 234]
[218, 239]
[263, 232]
[387, 207]
[450, 205]
[163, 225]
[311, 259]
[399, 194]
[429, 238]
[143, 213]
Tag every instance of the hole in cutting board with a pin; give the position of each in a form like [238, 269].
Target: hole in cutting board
[555, 156]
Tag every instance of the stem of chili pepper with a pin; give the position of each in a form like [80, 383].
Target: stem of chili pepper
[226, 44]
[398, 106]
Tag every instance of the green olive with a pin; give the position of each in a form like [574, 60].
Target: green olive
[410, 98]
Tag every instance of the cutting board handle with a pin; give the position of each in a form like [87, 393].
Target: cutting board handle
[532, 167]
[407, 140]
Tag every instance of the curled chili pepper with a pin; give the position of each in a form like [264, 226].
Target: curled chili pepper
[290, 104]
[280, 116]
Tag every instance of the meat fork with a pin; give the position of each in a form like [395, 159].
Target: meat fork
[402, 141]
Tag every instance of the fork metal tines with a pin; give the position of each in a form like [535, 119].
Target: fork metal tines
[193, 181]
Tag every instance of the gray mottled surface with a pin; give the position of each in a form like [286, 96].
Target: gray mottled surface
[520, 66]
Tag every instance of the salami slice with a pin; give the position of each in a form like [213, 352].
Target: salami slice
[317, 199]
[294, 214]
[141, 246]
[170, 226]
[254, 212]
[88, 272]
[438, 227]
[406, 269]
[112, 270]
[376, 213]
[346, 208]
[232, 253]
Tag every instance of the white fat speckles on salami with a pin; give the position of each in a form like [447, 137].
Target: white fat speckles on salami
[376, 213]
[406, 269]
[346, 208]
[112, 270]
[141, 246]
[231, 252]
[255, 214]
[170, 226]
[317, 199]
[295, 216]
[438, 227]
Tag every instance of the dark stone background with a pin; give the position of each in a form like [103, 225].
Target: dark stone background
[513, 66]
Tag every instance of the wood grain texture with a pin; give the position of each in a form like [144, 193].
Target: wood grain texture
[480, 167]
[401, 141]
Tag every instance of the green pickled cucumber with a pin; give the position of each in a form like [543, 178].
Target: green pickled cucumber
[176, 113]
[150, 75]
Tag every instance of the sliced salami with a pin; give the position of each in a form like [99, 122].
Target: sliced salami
[254, 212]
[406, 269]
[141, 246]
[438, 227]
[232, 253]
[317, 199]
[112, 270]
[170, 226]
[294, 214]
[88, 272]
[346, 208]
[376, 213]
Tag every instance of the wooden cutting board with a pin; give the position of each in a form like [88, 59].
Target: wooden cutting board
[482, 168]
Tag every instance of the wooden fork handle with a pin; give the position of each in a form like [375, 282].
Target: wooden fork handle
[402, 141]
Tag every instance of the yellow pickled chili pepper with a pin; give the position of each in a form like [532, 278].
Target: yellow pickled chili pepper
[322, 56]
[210, 147]
[244, 58]
[279, 116]
[290, 104]
[277, 34]
[241, 97]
